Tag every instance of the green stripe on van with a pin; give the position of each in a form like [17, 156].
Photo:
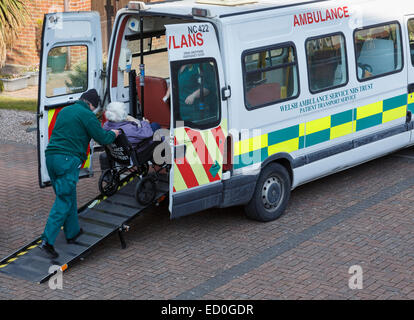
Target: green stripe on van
[324, 135]
[283, 135]
[395, 102]
[369, 122]
[318, 137]
[247, 159]
[341, 118]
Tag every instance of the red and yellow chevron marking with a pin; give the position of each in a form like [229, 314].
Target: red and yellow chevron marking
[204, 149]
[51, 117]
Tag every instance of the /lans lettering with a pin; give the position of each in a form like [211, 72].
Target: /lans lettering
[186, 41]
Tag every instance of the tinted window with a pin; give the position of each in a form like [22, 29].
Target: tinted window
[196, 95]
[67, 70]
[411, 35]
[270, 76]
[378, 50]
[327, 63]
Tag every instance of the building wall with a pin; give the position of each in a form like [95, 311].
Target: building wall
[26, 49]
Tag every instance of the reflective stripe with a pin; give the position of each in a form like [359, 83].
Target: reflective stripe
[369, 110]
[255, 150]
[203, 159]
[342, 130]
[318, 125]
[394, 114]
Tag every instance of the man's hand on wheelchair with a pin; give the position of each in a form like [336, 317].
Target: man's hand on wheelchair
[117, 132]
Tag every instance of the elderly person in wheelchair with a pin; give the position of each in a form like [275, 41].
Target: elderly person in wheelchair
[135, 130]
[132, 152]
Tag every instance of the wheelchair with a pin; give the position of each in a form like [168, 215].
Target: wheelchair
[123, 158]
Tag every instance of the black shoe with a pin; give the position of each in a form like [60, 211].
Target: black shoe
[73, 240]
[47, 248]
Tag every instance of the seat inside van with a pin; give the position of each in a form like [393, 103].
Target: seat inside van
[155, 109]
[263, 94]
[379, 54]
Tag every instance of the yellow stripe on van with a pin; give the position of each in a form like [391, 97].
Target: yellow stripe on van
[369, 110]
[251, 144]
[342, 130]
[318, 125]
[301, 129]
[394, 114]
[50, 115]
[411, 98]
[286, 146]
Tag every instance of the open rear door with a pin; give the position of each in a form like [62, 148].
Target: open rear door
[198, 118]
[71, 63]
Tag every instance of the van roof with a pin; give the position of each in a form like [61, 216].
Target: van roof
[183, 7]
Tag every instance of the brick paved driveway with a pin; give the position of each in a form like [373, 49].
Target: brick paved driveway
[363, 216]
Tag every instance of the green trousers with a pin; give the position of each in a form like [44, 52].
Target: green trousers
[64, 175]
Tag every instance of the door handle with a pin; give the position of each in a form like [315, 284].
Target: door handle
[411, 88]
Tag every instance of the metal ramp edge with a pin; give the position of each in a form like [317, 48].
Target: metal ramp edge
[100, 218]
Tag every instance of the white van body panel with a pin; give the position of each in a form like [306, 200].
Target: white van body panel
[349, 159]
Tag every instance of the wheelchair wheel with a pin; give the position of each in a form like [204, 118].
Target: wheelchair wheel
[145, 191]
[143, 169]
[109, 182]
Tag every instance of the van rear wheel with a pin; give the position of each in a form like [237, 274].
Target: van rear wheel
[271, 195]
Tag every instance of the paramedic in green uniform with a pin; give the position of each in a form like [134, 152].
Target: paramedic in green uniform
[75, 126]
[191, 78]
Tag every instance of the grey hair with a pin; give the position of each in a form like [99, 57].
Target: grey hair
[116, 112]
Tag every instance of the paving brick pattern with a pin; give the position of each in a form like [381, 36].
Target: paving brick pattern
[362, 216]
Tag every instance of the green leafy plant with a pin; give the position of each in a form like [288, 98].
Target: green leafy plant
[13, 15]
[1, 86]
[78, 78]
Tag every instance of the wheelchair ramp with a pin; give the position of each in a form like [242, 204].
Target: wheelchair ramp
[99, 219]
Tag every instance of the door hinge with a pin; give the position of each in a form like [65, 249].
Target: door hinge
[225, 93]
[102, 74]
[40, 115]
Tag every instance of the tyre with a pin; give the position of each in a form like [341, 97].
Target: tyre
[145, 191]
[109, 182]
[271, 194]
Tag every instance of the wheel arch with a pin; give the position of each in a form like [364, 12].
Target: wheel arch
[283, 159]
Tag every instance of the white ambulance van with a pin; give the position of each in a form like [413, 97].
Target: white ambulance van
[263, 95]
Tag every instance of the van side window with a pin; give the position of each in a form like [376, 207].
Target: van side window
[67, 70]
[378, 51]
[327, 62]
[411, 35]
[270, 76]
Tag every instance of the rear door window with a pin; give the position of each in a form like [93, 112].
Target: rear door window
[67, 70]
[196, 95]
